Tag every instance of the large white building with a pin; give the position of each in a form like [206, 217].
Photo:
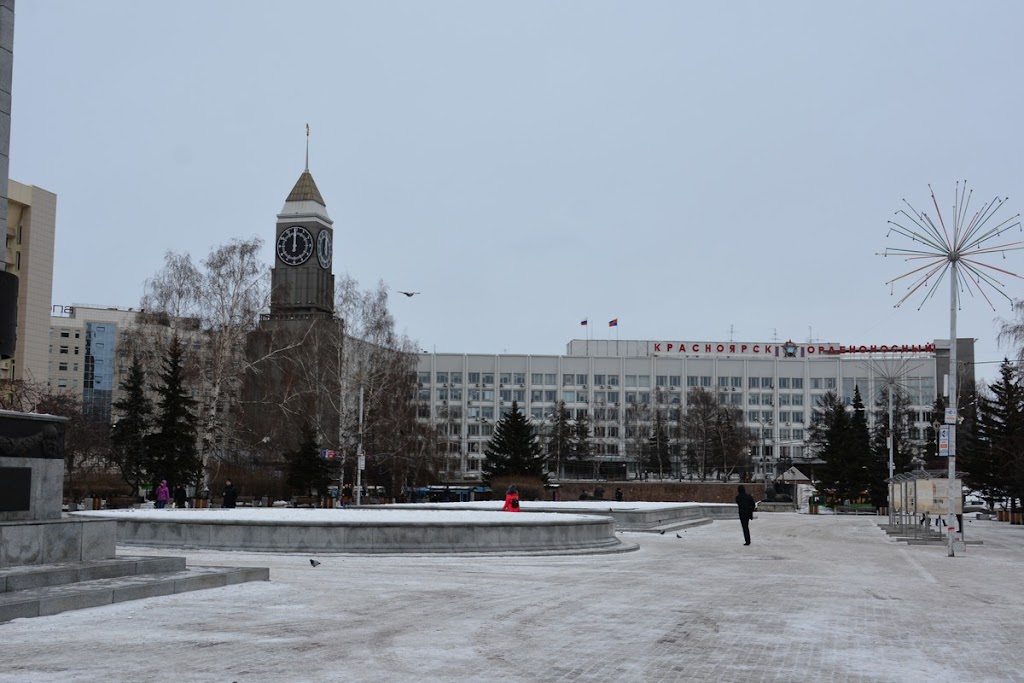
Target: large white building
[614, 383]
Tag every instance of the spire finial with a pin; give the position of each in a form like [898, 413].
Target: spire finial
[307, 147]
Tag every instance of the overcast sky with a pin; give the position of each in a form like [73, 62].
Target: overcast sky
[700, 171]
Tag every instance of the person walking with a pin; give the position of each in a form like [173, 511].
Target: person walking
[511, 499]
[618, 495]
[745, 505]
[230, 494]
[180, 497]
[163, 494]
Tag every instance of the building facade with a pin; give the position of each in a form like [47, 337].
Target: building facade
[618, 386]
[31, 229]
[84, 355]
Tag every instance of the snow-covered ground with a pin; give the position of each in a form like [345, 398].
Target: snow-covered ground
[814, 598]
[487, 513]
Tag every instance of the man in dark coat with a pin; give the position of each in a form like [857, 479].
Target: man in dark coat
[745, 504]
[230, 494]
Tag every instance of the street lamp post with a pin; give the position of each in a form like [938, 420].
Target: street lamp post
[958, 251]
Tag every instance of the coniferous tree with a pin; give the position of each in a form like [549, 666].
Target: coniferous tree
[658, 446]
[581, 446]
[128, 434]
[514, 449]
[172, 451]
[307, 471]
[560, 436]
[994, 464]
[859, 456]
[828, 433]
[902, 445]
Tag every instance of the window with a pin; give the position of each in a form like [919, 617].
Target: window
[784, 416]
[723, 382]
[487, 430]
[784, 399]
[473, 394]
[753, 382]
[599, 379]
[816, 382]
[661, 380]
[644, 381]
[752, 415]
[64, 349]
[62, 366]
[65, 333]
[692, 381]
[705, 381]
[455, 394]
[487, 412]
[798, 417]
[487, 394]
[442, 378]
[473, 377]
[753, 399]
[613, 380]
[569, 396]
[645, 397]
[519, 378]
[581, 413]
[505, 378]
[536, 395]
[613, 431]
[766, 382]
[537, 378]
[783, 383]
[486, 378]
[797, 383]
[62, 383]
[537, 413]
[674, 380]
[455, 412]
[456, 378]
[630, 380]
[442, 394]
[600, 397]
[630, 397]
[567, 380]
[505, 395]
[581, 380]
[550, 379]
[830, 383]
[550, 395]
[766, 416]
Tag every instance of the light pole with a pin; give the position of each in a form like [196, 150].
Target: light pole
[958, 251]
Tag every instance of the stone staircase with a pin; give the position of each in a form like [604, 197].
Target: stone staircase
[41, 590]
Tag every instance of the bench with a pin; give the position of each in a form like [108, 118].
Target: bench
[245, 501]
[305, 501]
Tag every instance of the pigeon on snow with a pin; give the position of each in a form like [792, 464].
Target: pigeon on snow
[314, 563]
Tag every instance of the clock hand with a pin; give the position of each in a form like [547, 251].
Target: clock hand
[295, 240]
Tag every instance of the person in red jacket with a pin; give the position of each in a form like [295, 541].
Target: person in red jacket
[511, 499]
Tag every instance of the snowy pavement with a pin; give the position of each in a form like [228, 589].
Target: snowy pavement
[815, 598]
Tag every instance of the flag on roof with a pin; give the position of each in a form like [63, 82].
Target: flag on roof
[613, 323]
[583, 322]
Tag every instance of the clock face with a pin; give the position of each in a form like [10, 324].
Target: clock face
[324, 249]
[295, 245]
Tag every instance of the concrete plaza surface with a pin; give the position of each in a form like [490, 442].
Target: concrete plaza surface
[815, 598]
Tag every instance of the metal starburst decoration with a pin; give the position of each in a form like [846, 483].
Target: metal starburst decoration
[958, 248]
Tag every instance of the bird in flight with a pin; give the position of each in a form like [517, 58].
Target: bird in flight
[408, 293]
[314, 563]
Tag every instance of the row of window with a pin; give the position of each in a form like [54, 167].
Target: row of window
[454, 379]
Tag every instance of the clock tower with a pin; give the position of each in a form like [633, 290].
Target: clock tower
[301, 282]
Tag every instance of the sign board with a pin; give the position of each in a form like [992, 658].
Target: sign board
[950, 416]
[327, 453]
[362, 462]
[944, 441]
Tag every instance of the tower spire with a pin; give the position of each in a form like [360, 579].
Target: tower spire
[307, 147]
